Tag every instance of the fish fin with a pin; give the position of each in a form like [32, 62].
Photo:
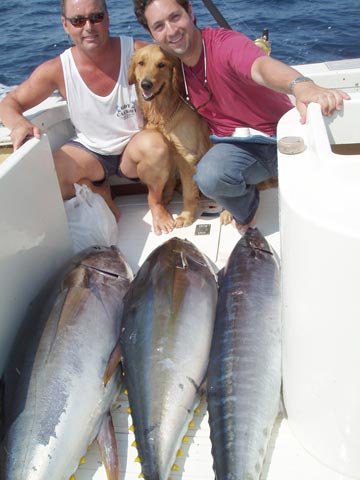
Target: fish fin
[73, 301]
[108, 448]
[68, 305]
[113, 363]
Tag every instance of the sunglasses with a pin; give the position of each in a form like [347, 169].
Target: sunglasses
[80, 20]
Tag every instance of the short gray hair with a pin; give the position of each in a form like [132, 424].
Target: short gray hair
[63, 4]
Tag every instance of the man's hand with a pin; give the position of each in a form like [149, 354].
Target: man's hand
[330, 100]
[22, 131]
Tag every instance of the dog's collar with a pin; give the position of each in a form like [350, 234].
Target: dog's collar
[148, 99]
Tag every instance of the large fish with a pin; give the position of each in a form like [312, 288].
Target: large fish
[244, 375]
[54, 402]
[168, 321]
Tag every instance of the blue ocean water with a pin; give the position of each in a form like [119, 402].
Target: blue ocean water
[301, 31]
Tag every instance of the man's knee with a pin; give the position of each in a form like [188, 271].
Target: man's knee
[155, 146]
[147, 150]
[148, 143]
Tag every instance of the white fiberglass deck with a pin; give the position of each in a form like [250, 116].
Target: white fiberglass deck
[286, 459]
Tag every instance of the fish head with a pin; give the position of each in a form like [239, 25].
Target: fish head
[254, 240]
[107, 260]
[185, 253]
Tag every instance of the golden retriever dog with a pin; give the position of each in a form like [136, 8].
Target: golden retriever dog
[158, 80]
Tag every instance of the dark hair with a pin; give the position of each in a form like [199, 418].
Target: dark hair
[140, 6]
[63, 3]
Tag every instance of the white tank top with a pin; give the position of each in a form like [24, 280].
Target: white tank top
[103, 124]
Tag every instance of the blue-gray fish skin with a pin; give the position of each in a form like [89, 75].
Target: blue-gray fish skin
[168, 321]
[244, 375]
[54, 401]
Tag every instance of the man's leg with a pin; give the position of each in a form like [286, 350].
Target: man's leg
[147, 156]
[229, 173]
[76, 165]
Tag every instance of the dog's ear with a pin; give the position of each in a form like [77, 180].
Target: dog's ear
[131, 72]
[177, 78]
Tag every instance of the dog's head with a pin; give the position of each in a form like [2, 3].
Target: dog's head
[154, 71]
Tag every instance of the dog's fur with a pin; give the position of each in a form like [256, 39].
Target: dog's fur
[158, 80]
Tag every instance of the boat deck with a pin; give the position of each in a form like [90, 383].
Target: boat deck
[285, 459]
[136, 239]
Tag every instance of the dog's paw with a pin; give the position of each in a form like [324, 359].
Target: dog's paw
[225, 217]
[185, 219]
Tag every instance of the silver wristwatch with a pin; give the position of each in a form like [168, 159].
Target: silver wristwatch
[298, 80]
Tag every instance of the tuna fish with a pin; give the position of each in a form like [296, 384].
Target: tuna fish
[168, 321]
[54, 401]
[244, 376]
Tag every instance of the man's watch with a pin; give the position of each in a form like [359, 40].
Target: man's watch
[298, 80]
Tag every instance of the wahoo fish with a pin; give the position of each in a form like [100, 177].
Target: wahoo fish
[54, 402]
[244, 375]
[168, 321]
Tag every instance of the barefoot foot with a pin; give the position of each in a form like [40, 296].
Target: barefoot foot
[163, 222]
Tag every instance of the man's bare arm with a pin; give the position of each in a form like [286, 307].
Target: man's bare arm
[278, 76]
[40, 85]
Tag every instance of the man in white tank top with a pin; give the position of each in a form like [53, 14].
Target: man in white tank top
[92, 77]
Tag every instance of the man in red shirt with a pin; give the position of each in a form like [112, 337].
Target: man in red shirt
[233, 84]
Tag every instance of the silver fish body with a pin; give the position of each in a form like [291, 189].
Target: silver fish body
[168, 321]
[54, 401]
[244, 375]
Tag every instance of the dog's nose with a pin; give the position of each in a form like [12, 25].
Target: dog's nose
[146, 85]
